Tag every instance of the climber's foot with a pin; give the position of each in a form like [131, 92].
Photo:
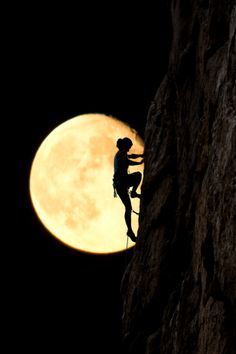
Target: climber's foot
[131, 235]
[134, 194]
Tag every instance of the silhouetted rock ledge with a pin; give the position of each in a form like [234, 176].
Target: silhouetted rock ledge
[179, 289]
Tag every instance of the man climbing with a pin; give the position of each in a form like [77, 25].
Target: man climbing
[122, 180]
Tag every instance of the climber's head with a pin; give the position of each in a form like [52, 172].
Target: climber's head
[124, 144]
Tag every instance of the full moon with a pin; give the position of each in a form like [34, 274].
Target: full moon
[71, 184]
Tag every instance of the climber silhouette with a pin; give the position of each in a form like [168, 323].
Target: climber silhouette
[122, 180]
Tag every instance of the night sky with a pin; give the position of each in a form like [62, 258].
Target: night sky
[70, 62]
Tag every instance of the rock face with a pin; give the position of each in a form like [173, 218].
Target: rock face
[179, 289]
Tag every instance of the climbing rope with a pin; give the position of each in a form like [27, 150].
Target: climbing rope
[135, 212]
[127, 242]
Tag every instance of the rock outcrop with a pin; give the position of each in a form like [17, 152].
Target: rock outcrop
[179, 289]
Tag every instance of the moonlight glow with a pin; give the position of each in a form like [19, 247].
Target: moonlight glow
[71, 183]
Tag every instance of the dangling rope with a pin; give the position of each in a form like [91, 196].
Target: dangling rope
[127, 241]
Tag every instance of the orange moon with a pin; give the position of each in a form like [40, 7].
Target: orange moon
[71, 184]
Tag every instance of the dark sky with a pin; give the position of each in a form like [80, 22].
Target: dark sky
[69, 62]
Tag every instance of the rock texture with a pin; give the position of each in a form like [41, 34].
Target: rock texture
[179, 289]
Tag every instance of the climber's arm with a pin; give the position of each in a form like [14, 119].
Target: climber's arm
[135, 156]
[133, 163]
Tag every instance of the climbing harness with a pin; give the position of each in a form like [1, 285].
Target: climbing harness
[114, 188]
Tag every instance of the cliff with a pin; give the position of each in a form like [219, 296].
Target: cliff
[179, 289]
